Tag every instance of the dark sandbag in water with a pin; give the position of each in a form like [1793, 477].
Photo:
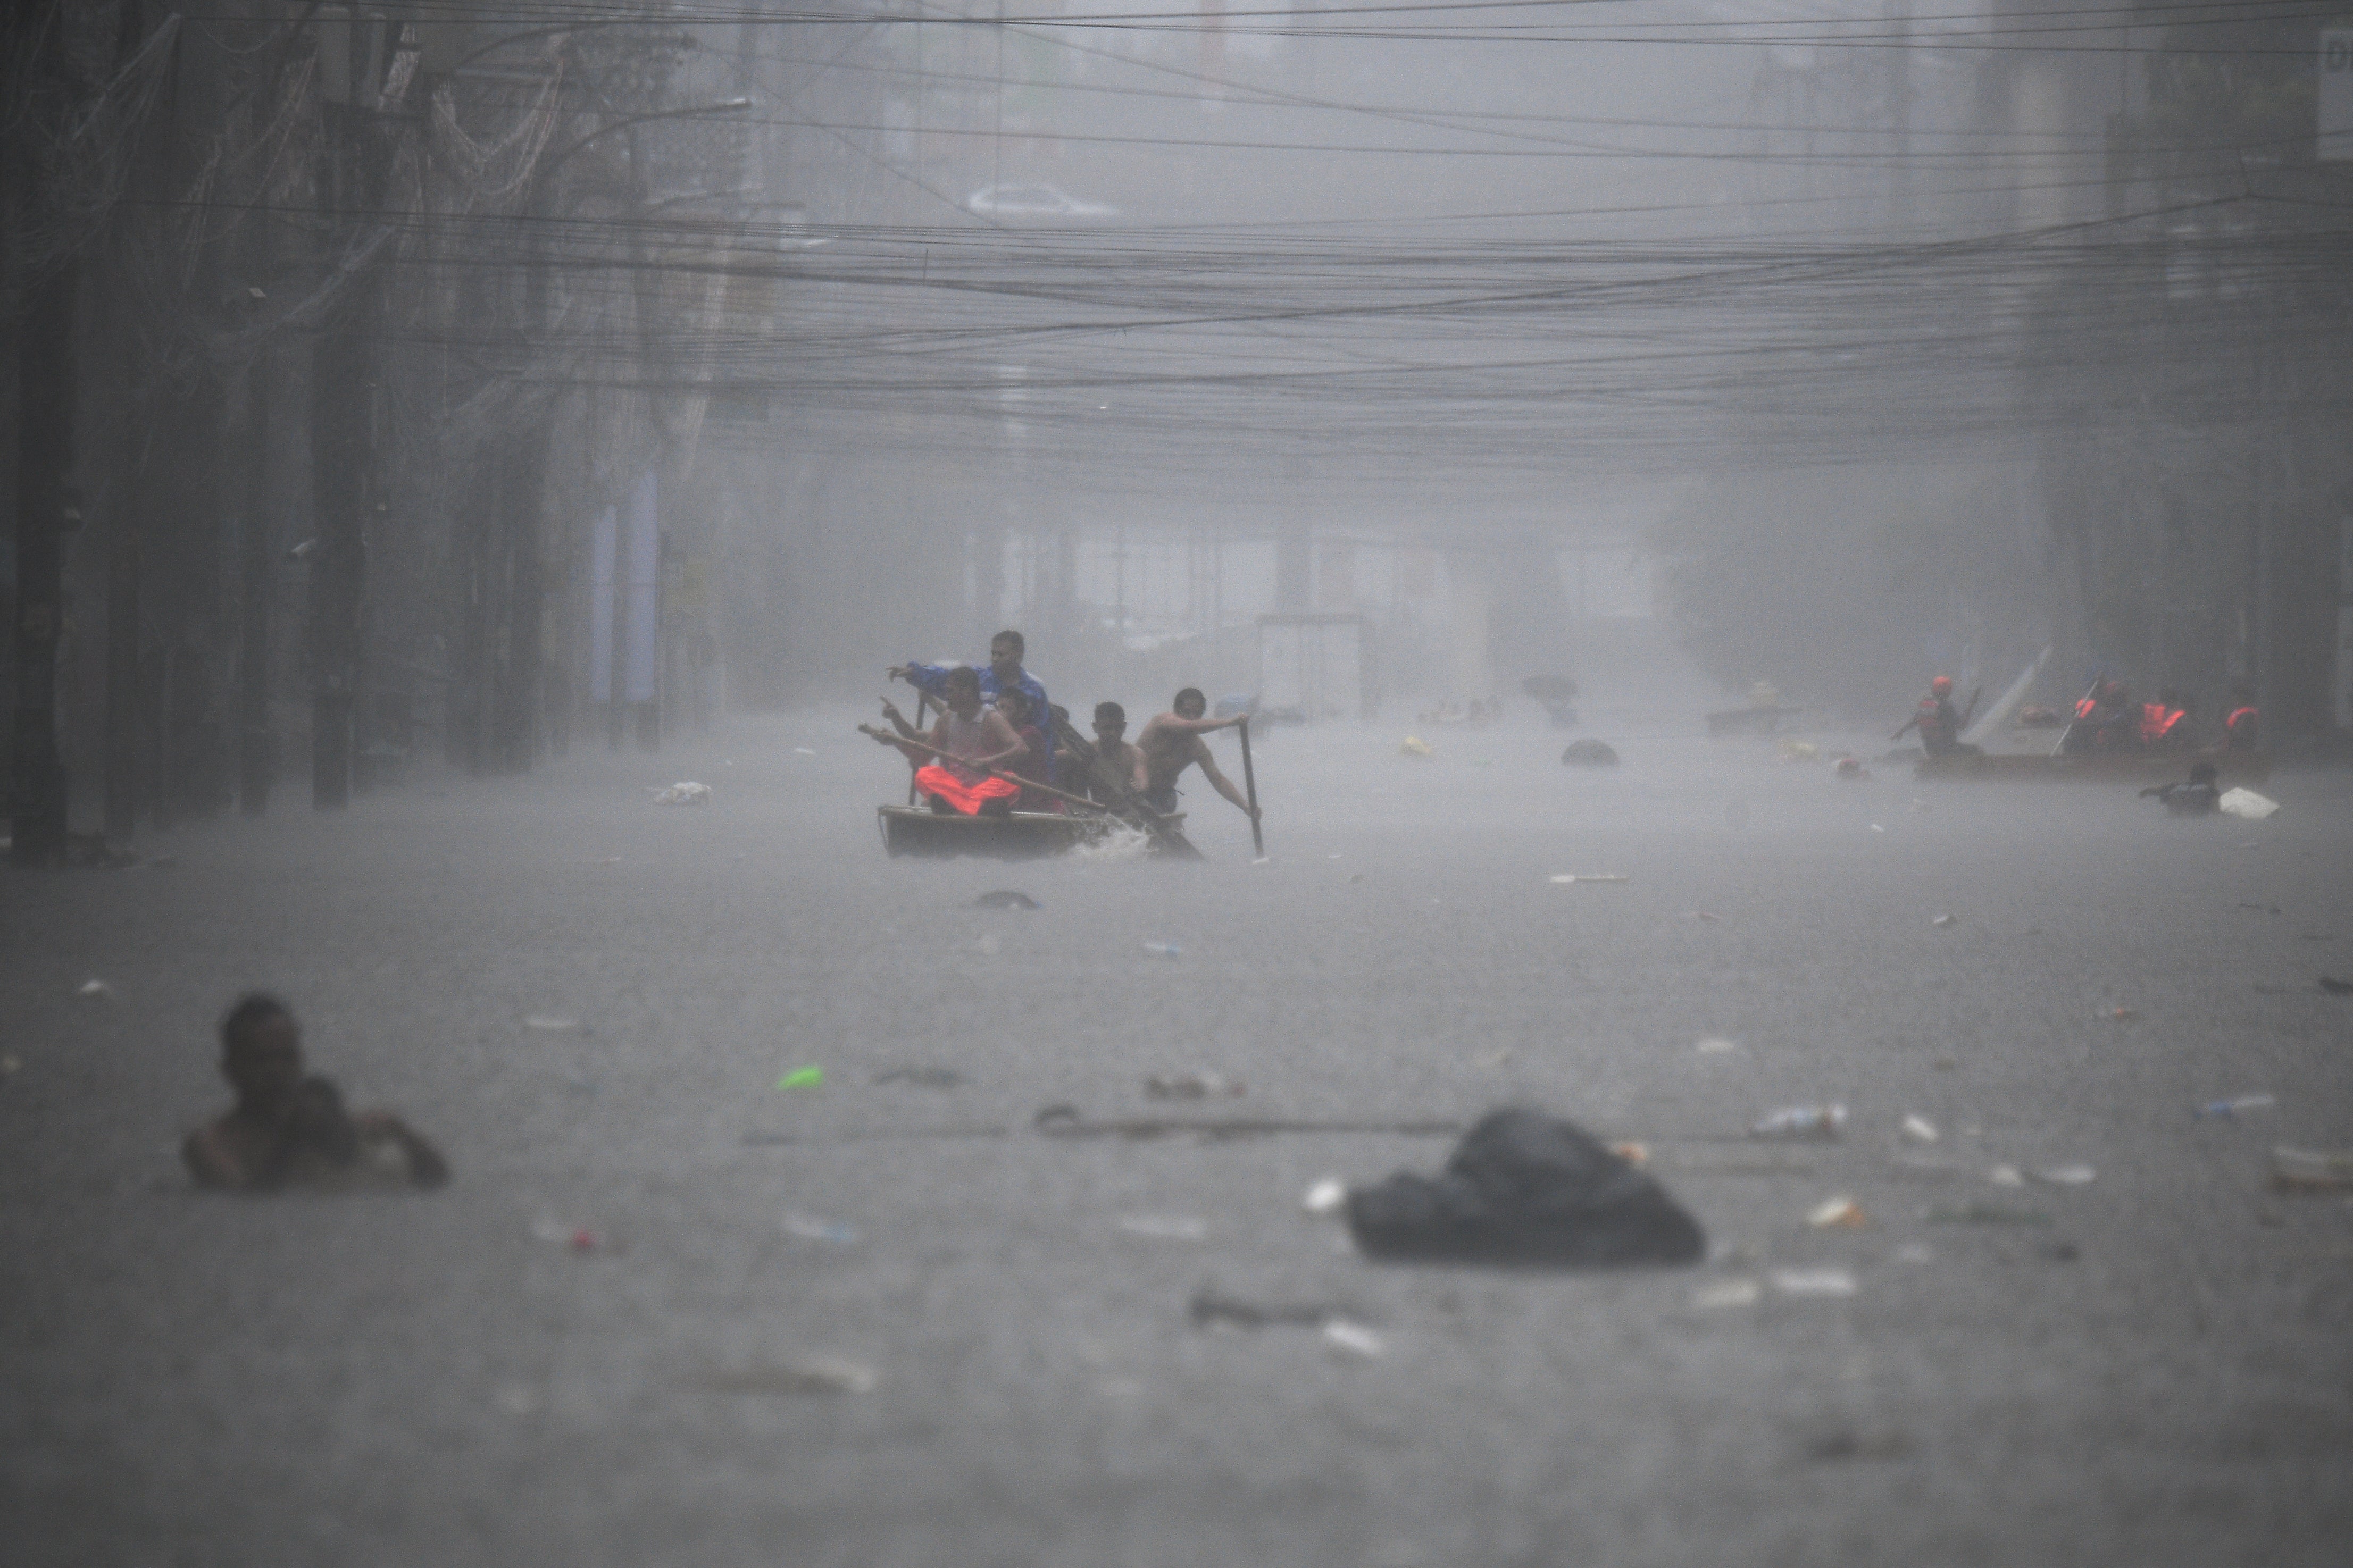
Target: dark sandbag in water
[1525, 1188]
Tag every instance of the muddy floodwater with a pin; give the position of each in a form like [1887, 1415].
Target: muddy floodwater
[671, 1313]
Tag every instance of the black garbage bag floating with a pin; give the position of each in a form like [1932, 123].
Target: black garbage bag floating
[1525, 1188]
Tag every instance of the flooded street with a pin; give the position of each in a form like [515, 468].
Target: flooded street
[671, 1313]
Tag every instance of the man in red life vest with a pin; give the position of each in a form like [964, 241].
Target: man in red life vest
[1939, 725]
[2242, 728]
[2165, 723]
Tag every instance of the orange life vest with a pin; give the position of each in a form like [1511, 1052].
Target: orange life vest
[2241, 728]
[2157, 722]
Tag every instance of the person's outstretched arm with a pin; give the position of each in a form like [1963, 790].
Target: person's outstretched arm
[1196, 726]
[923, 678]
[1217, 780]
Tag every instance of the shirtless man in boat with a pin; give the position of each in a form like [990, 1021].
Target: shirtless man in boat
[1172, 742]
[1117, 757]
[974, 737]
[290, 1131]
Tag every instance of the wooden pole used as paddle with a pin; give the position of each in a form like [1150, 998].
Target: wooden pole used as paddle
[1126, 804]
[981, 767]
[1250, 787]
[921, 697]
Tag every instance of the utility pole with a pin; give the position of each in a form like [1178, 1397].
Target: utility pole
[45, 402]
[343, 426]
[1899, 109]
[256, 745]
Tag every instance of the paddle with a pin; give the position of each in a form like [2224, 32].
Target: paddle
[1250, 787]
[1126, 802]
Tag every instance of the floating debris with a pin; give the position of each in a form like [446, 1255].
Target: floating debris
[1354, 1338]
[808, 1227]
[1006, 898]
[1839, 1213]
[2311, 1170]
[1820, 1283]
[686, 792]
[1917, 1130]
[1725, 1293]
[803, 1077]
[1327, 1196]
[1800, 1123]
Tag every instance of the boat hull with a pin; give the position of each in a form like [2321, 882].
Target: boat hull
[1020, 836]
[2133, 768]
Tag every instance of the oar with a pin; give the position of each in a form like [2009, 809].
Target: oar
[921, 697]
[1250, 787]
[1009, 778]
[1127, 802]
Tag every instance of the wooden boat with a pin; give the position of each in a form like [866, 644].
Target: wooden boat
[2135, 768]
[1018, 836]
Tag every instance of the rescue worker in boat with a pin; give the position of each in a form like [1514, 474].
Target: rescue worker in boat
[2242, 728]
[2105, 720]
[2165, 723]
[975, 739]
[1939, 725]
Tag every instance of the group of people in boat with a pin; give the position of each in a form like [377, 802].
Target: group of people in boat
[998, 745]
[2106, 721]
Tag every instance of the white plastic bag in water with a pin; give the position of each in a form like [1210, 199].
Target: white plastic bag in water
[2246, 803]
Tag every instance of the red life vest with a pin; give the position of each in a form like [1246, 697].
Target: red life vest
[2242, 727]
[2084, 709]
[2157, 722]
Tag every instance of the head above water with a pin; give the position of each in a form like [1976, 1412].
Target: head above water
[1190, 703]
[2201, 772]
[261, 1051]
[1941, 686]
[1005, 651]
[1014, 703]
[1111, 719]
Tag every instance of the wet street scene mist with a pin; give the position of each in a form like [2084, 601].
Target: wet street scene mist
[1382, 784]
[669, 1311]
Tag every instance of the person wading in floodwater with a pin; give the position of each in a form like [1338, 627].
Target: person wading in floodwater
[290, 1131]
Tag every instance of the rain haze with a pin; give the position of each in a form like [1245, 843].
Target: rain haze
[1110, 784]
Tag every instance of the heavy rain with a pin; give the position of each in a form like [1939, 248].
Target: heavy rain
[1101, 785]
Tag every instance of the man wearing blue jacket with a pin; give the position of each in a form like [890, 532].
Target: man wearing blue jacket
[1003, 672]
